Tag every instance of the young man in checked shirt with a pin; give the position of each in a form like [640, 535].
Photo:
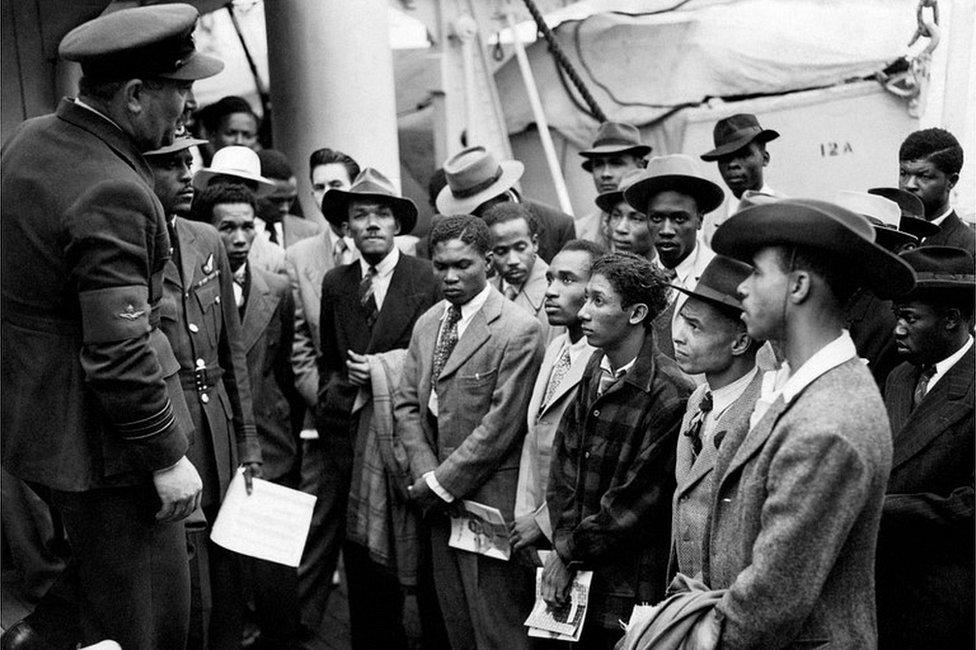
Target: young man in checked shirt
[612, 473]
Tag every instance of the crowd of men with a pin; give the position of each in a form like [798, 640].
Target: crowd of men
[753, 411]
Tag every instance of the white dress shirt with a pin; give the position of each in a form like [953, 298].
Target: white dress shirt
[942, 367]
[722, 399]
[384, 273]
[942, 217]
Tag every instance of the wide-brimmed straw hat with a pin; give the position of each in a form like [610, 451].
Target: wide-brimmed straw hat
[942, 267]
[883, 214]
[912, 211]
[473, 177]
[614, 138]
[238, 162]
[674, 172]
[734, 132]
[719, 282]
[844, 236]
[370, 184]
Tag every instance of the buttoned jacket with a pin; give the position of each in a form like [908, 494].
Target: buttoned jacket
[90, 394]
[482, 401]
[532, 297]
[796, 504]
[953, 231]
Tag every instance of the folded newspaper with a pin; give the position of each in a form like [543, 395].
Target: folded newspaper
[480, 529]
[563, 623]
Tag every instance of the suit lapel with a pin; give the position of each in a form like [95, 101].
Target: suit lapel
[188, 252]
[757, 436]
[475, 335]
[570, 380]
[172, 274]
[949, 401]
[534, 290]
[259, 308]
[398, 308]
[542, 379]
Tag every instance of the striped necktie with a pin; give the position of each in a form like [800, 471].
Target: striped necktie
[366, 297]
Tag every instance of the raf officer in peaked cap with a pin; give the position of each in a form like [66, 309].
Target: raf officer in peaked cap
[92, 411]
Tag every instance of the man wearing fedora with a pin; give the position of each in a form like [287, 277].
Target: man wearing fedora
[740, 151]
[241, 165]
[617, 149]
[912, 212]
[925, 546]
[627, 229]
[476, 181]
[92, 414]
[797, 498]
[281, 224]
[929, 162]
[675, 198]
[368, 307]
[710, 339]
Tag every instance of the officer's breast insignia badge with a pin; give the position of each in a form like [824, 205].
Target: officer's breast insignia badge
[131, 313]
[208, 266]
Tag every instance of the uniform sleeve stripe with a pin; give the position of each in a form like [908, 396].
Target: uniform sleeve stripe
[148, 427]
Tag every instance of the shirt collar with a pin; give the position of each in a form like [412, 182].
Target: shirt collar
[98, 113]
[386, 265]
[838, 351]
[942, 217]
[723, 397]
[687, 266]
[605, 366]
[943, 366]
[471, 307]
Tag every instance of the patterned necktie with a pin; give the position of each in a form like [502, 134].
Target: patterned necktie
[670, 274]
[556, 377]
[366, 297]
[698, 422]
[339, 252]
[511, 292]
[445, 342]
[922, 387]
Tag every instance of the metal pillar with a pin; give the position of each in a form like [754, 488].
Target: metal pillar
[331, 75]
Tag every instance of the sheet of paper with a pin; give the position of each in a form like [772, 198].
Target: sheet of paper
[482, 530]
[564, 623]
[270, 524]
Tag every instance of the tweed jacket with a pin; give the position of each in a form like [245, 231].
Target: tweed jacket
[612, 479]
[532, 298]
[482, 401]
[925, 546]
[954, 232]
[91, 395]
[796, 504]
[412, 291]
[267, 332]
[693, 476]
[543, 419]
[200, 319]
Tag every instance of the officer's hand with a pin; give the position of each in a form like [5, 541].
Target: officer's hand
[523, 532]
[556, 580]
[251, 471]
[179, 488]
[357, 369]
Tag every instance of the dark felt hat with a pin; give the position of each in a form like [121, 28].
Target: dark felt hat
[719, 282]
[846, 237]
[142, 42]
[607, 201]
[736, 131]
[912, 211]
[674, 172]
[372, 185]
[614, 138]
[942, 267]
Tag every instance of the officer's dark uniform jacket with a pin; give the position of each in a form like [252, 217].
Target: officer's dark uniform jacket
[199, 317]
[90, 388]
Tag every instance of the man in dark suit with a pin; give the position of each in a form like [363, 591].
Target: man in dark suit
[281, 225]
[92, 414]
[612, 472]
[198, 316]
[267, 313]
[929, 162]
[476, 181]
[461, 415]
[368, 307]
[925, 545]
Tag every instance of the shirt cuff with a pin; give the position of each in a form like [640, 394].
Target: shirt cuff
[541, 516]
[436, 487]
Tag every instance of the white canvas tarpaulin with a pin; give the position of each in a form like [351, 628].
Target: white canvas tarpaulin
[642, 67]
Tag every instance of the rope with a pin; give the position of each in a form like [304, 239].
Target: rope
[564, 62]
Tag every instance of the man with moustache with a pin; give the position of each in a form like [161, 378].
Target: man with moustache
[675, 198]
[797, 498]
[710, 339]
[554, 390]
[92, 414]
[461, 414]
[520, 275]
[617, 151]
[612, 472]
[929, 162]
[925, 545]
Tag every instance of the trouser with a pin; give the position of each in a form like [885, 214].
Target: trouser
[375, 602]
[37, 551]
[428, 608]
[484, 601]
[217, 597]
[327, 479]
[129, 572]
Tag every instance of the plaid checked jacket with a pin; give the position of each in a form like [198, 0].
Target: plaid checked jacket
[612, 479]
